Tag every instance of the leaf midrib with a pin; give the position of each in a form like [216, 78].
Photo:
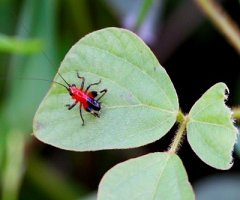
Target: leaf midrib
[135, 174]
[160, 175]
[126, 89]
[141, 105]
[211, 124]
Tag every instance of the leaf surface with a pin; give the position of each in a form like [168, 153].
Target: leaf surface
[154, 176]
[210, 130]
[140, 106]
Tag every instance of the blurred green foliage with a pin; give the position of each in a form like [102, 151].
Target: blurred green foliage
[45, 29]
[10, 44]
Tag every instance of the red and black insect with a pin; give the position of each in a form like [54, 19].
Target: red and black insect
[87, 99]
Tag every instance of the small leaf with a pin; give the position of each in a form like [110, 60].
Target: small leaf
[140, 107]
[210, 130]
[153, 176]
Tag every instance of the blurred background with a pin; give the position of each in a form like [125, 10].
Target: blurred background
[35, 36]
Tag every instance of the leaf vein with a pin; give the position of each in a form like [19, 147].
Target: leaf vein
[139, 105]
[136, 67]
[211, 124]
[160, 174]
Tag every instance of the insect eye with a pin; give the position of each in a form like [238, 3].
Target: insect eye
[70, 93]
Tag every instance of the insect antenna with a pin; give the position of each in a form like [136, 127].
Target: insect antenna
[64, 79]
[60, 84]
[25, 29]
[42, 79]
[38, 79]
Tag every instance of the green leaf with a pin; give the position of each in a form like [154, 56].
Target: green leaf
[140, 107]
[153, 176]
[210, 130]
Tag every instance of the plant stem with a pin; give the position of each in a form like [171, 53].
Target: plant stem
[222, 21]
[236, 113]
[180, 116]
[179, 135]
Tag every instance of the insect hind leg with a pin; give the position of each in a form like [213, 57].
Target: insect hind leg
[95, 114]
[88, 87]
[103, 93]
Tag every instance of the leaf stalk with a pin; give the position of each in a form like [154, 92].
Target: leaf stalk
[236, 113]
[175, 145]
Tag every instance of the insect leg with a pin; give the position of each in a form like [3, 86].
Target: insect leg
[83, 80]
[92, 85]
[69, 106]
[80, 110]
[103, 93]
[95, 114]
[92, 112]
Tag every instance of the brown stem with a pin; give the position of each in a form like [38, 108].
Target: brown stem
[222, 21]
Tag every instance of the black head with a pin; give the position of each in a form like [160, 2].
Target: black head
[69, 87]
